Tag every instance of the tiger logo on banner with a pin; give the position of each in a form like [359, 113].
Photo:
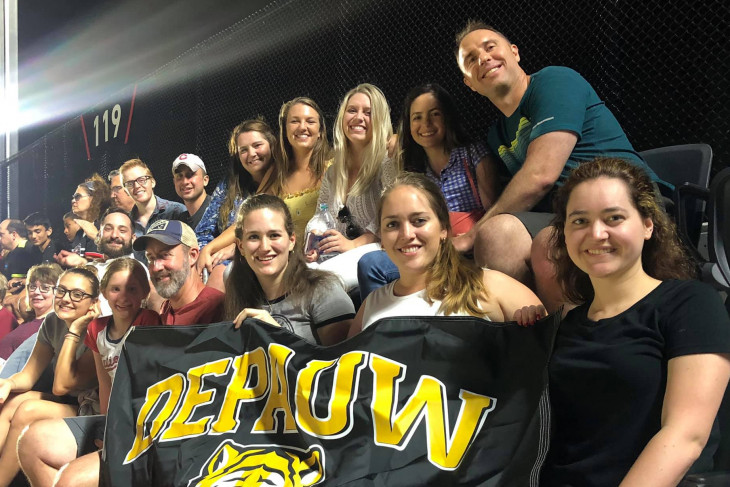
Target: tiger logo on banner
[407, 402]
[270, 465]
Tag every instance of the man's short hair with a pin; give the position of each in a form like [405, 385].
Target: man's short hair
[113, 174]
[116, 209]
[18, 227]
[471, 26]
[36, 219]
[135, 163]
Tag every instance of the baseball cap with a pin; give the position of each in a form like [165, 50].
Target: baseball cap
[191, 160]
[169, 232]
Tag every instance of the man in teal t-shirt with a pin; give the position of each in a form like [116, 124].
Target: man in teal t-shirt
[551, 121]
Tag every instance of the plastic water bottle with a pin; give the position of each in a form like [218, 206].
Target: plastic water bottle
[320, 223]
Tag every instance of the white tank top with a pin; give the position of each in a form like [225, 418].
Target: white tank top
[382, 303]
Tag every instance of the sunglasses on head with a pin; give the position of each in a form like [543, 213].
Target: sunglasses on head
[344, 216]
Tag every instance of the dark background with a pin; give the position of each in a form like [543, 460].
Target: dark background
[660, 66]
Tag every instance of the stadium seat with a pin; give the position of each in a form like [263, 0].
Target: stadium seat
[679, 165]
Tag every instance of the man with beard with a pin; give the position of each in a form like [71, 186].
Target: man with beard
[171, 248]
[115, 241]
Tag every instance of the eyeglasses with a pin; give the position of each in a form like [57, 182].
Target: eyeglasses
[45, 288]
[78, 196]
[142, 180]
[344, 216]
[76, 295]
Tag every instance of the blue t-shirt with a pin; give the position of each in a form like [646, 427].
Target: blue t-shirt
[559, 98]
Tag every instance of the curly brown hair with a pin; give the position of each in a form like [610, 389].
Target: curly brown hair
[663, 255]
[101, 196]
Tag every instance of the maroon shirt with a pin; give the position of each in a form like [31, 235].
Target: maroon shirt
[7, 322]
[206, 308]
[16, 337]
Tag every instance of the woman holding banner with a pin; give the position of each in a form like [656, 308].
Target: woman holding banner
[270, 280]
[435, 279]
[639, 370]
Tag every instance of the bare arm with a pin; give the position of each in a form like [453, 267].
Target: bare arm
[24, 380]
[225, 239]
[72, 373]
[105, 383]
[509, 294]
[356, 325]
[487, 181]
[546, 158]
[334, 332]
[695, 387]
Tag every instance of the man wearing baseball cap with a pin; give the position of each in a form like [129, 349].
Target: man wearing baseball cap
[191, 178]
[172, 250]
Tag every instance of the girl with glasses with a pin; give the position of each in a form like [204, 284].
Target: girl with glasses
[74, 304]
[352, 185]
[50, 444]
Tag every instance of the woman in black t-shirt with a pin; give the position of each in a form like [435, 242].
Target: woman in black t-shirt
[639, 370]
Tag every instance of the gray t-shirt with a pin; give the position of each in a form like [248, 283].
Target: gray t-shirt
[329, 304]
[52, 333]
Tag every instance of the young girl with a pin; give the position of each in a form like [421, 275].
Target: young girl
[50, 444]
[435, 279]
[271, 282]
[352, 185]
[639, 369]
[75, 296]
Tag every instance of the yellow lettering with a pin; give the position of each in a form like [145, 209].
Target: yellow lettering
[278, 399]
[173, 387]
[179, 427]
[240, 389]
[395, 428]
[345, 384]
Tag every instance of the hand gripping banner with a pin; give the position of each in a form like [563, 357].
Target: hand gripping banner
[408, 402]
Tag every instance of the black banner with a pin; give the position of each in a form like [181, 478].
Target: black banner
[410, 401]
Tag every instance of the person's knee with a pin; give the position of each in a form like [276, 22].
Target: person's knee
[503, 231]
[539, 254]
[27, 412]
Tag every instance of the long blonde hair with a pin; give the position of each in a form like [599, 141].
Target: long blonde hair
[452, 279]
[376, 150]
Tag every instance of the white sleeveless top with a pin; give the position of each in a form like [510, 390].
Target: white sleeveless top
[382, 303]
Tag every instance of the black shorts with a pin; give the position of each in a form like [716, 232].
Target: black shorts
[534, 221]
[86, 429]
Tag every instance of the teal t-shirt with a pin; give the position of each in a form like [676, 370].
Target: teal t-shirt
[559, 98]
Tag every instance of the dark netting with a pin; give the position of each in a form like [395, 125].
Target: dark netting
[660, 66]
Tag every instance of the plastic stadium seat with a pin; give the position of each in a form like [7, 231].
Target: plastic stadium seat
[678, 165]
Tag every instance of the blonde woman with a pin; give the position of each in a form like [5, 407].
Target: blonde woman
[352, 186]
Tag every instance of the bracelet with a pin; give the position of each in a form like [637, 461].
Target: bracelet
[73, 337]
[69, 332]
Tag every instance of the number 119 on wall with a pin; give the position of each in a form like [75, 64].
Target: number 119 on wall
[116, 119]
